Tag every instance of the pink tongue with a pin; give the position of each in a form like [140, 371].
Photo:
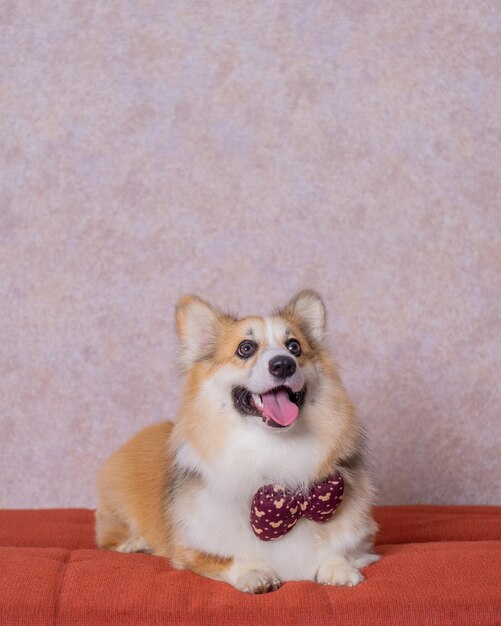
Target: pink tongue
[279, 408]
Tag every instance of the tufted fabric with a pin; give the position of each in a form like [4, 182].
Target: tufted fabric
[275, 510]
[441, 565]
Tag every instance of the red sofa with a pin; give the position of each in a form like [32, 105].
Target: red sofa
[441, 565]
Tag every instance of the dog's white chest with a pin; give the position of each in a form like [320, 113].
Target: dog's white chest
[220, 525]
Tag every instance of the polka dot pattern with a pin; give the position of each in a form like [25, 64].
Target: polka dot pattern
[275, 510]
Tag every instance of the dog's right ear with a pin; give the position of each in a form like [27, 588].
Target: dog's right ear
[197, 324]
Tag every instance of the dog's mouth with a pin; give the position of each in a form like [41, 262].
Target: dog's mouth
[278, 407]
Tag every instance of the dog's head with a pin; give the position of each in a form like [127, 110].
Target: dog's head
[261, 369]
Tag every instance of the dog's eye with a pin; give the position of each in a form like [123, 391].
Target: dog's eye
[246, 349]
[294, 347]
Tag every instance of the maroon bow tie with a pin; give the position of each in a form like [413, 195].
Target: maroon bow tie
[276, 510]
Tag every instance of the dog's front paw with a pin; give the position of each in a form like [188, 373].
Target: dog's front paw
[255, 578]
[337, 570]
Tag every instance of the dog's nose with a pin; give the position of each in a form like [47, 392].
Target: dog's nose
[282, 366]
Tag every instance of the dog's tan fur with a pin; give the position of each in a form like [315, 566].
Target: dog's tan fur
[144, 494]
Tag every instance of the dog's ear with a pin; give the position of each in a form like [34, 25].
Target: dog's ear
[197, 325]
[308, 310]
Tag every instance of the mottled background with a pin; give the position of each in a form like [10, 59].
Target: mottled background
[245, 150]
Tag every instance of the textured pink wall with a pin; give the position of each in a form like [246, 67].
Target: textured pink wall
[243, 150]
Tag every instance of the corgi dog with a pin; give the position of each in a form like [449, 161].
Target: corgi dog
[261, 479]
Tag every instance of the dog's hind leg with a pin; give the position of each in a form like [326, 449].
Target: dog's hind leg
[111, 531]
[135, 544]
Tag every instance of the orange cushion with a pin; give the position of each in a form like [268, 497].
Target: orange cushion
[441, 565]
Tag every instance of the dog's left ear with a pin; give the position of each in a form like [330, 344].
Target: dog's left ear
[197, 325]
[308, 309]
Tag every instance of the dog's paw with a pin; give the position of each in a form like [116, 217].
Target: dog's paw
[363, 560]
[254, 579]
[136, 544]
[338, 571]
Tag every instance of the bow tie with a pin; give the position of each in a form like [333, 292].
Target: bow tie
[276, 510]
